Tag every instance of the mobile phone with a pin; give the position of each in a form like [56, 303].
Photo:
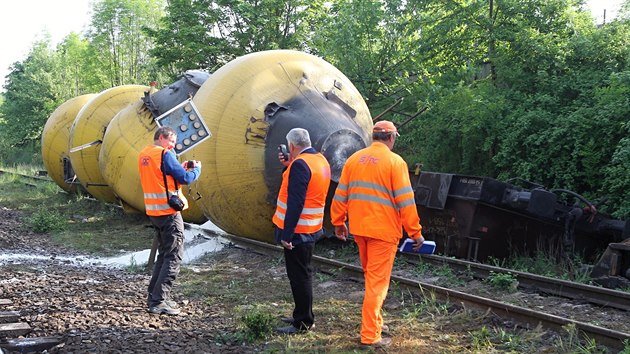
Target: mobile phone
[190, 164]
[283, 150]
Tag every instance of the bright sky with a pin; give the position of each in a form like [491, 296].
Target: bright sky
[22, 22]
[598, 6]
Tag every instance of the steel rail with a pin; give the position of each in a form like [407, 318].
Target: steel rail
[607, 337]
[593, 294]
[46, 179]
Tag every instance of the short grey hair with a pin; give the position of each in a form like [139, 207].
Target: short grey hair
[299, 137]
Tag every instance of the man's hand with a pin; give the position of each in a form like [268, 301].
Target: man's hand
[418, 244]
[287, 245]
[341, 232]
[282, 160]
[191, 164]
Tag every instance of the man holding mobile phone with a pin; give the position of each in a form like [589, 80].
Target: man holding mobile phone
[299, 220]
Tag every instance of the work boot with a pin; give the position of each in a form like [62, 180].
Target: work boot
[290, 329]
[164, 308]
[383, 343]
[385, 330]
[170, 303]
[288, 320]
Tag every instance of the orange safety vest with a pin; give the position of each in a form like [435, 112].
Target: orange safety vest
[375, 194]
[312, 216]
[149, 165]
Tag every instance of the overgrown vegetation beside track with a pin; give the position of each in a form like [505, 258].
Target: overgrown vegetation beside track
[72, 221]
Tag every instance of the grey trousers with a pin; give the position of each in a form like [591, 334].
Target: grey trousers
[170, 254]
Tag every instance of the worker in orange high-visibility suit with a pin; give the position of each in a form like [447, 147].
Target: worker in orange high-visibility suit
[160, 174]
[375, 196]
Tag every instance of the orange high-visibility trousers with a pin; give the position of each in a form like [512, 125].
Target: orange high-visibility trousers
[377, 259]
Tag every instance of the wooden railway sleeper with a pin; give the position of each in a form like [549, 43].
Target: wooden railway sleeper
[10, 327]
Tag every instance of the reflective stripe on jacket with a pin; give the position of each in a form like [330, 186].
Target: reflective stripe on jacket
[375, 195]
[312, 216]
[155, 202]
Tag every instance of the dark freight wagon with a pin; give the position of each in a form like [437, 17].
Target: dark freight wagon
[479, 217]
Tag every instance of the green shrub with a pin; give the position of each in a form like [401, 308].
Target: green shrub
[258, 323]
[44, 221]
[504, 281]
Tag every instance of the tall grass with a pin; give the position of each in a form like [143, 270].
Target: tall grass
[68, 218]
[548, 265]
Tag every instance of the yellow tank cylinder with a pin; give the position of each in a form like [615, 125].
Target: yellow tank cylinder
[235, 104]
[127, 134]
[56, 137]
[86, 136]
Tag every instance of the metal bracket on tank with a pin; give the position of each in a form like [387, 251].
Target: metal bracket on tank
[188, 124]
[331, 96]
[85, 146]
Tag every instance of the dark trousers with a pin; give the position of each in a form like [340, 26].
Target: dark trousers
[300, 273]
[170, 254]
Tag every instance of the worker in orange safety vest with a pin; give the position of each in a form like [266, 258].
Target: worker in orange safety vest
[160, 177]
[375, 196]
[299, 221]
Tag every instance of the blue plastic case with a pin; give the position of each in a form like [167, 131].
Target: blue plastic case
[428, 247]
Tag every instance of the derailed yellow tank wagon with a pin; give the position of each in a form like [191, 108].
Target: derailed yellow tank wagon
[131, 130]
[86, 136]
[249, 105]
[55, 139]
[106, 163]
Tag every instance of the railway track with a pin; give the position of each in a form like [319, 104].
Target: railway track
[531, 318]
[11, 327]
[42, 177]
[587, 293]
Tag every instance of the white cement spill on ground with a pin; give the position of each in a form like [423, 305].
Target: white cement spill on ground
[198, 241]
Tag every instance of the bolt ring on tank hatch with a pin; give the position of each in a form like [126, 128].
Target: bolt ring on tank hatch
[338, 146]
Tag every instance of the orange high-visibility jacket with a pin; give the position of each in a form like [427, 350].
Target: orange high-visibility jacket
[312, 216]
[149, 165]
[375, 195]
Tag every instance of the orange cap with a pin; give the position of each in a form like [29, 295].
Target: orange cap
[385, 126]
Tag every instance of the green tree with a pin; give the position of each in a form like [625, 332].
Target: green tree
[186, 38]
[205, 34]
[78, 71]
[117, 32]
[375, 44]
[563, 132]
[614, 103]
[29, 100]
